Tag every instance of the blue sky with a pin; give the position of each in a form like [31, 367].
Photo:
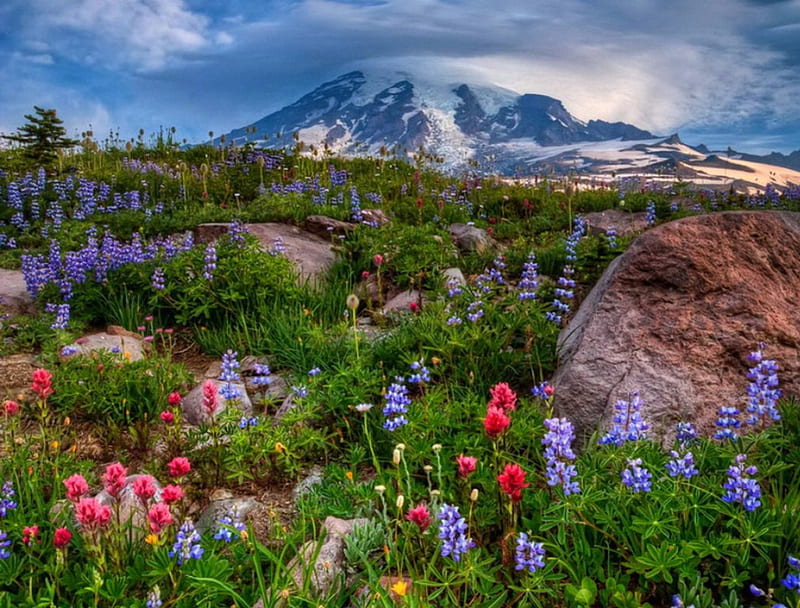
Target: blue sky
[720, 72]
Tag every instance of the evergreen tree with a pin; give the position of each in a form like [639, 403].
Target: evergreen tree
[42, 136]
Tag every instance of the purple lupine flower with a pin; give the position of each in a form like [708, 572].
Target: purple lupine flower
[627, 422]
[230, 525]
[210, 262]
[300, 391]
[529, 281]
[397, 402]
[677, 602]
[636, 477]
[543, 390]
[154, 598]
[558, 454]
[727, 421]
[563, 294]
[454, 320]
[454, 288]
[62, 315]
[681, 465]
[740, 486]
[685, 434]
[247, 422]
[650, 214]
[528, 554]
[571, 246]
[6, 498]
[314, 371]
[157, 280]
[187, 543]
[792, 580]
[278, 247]
[5, 543]
[453, 533]
[474, 311]
[421, 373]
[236, 232]
[262, 375]
[611, 237]
[229, 375]
[762, 392]
[355, 206]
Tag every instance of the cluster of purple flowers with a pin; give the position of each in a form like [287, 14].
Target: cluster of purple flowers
[421, 373]
[262, 374]
[248, 422]
[278, 247]
[157, 280]
[397, 402]
[740, 486]
[528, 554]
[627, 423]
[475, 311]
[650, 213]
[230, 525]
[681, 465]
[529, 281]
[229, 375]
[685, 434]
[491, 276]
[792, 580]
[187, 543]
[563, 294]
[7, 502]
[5, 543]
[210, 262]
[355, 206]
[636, 477]
[154, 598]
[762, 392]
[453, 533]
[728, 422]
[62, 315]
[558, 454]
[611, 237]
[236, 232]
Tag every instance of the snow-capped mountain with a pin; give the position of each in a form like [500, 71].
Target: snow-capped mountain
[354, 115]
[485, 125]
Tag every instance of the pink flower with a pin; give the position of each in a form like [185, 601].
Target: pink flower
[91, 514]
[421, 516]
[378, 260]
[167, 416]
[512, 481]
[10, 408]
[466, 465]
[171, 494]
[144, 488]
[174, 398]
[159, 517]
[413, 307]
[496, 422]
[76, 487]
[503, 397]
[29, 533]
[179, 466]
[42, 383]
[115, 478]
[61, 538]
[364, 274]
[549, 389]
[210, 397]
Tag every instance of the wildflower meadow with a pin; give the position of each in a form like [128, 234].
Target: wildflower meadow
[431, 427]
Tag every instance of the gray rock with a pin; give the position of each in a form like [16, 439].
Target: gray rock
[129, 346]
[325, 226]
[624, 222]
[676, 316]
[402, 301]
[14, 296]
[470, 238]
[242, 507]
[454, 276]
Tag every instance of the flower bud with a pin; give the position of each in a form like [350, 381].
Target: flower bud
[352, 301]
[473, 496]
[427, 468]
[400, 501]
[380, 489]
[437, 447]
[396, 456]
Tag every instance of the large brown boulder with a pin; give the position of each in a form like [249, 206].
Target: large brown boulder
[675, 317]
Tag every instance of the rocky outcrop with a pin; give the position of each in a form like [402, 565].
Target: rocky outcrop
[676, 315]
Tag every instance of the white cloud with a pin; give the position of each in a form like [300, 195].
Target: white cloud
[144, 34]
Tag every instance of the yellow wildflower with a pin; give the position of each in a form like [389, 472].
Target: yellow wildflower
[400, 588]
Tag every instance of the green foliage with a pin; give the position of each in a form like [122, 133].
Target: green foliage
[106, 386]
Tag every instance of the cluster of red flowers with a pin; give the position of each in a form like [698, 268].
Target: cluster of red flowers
[93, 515]
[42, 383]
[503, 401]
